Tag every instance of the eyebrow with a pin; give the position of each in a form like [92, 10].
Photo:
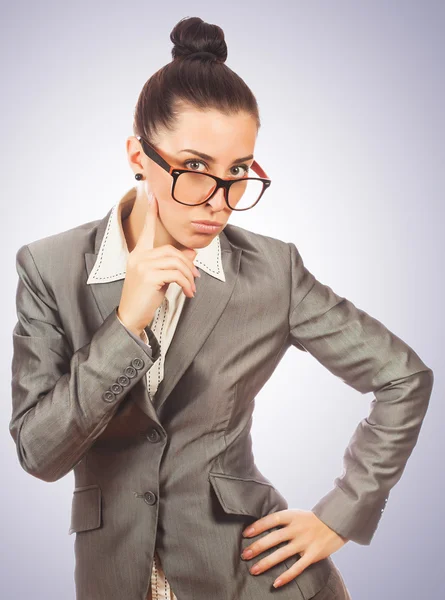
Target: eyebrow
[211, 159]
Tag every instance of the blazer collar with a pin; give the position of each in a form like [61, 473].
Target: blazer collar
[199, 315]
[113, 251]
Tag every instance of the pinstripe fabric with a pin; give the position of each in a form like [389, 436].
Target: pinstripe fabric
[110, 265]
[175, 472]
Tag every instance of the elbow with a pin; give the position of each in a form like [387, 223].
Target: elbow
[41, 471]
[427, 382]
[41, 468]
[424, 388]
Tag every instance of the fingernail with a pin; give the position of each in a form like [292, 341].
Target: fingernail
[277, 582]
[248, 531]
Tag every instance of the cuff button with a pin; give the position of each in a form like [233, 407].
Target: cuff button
[130, 372]
[137, 363]
[116, 388]
[108, 396]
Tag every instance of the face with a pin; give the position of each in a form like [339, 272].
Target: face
[223, 137]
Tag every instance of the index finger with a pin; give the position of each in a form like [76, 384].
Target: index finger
[147, 235]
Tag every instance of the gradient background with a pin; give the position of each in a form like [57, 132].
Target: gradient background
[351, 97]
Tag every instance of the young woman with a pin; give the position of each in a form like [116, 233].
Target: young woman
[166, 487]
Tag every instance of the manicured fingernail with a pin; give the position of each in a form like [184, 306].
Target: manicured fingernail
[277, 582]
[249, 531]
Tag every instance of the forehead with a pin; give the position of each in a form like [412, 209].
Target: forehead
[222, 136]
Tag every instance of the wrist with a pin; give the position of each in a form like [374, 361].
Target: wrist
[130, 326]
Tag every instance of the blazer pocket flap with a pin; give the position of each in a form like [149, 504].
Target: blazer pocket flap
[86, 510]
[244, 496]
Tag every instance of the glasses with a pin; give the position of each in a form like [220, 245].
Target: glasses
[193, 188]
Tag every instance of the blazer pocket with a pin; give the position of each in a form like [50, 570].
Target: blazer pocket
[245, 496]
[86, 510]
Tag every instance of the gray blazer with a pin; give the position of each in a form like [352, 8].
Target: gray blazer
[177, 469]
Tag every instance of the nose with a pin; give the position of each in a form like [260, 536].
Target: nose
[218, 202]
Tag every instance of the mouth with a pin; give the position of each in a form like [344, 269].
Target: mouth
[207, 226]
[213, 223]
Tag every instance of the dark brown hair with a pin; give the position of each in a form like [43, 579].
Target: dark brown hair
[200, 80]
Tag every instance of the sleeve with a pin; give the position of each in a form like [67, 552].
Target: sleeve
[62, 401]
[367, 356]
[143, 337]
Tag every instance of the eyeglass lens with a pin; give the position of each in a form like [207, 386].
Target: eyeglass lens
[195, 188]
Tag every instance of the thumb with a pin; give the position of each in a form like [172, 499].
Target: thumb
[147, 235]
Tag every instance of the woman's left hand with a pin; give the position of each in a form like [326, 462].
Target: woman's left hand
[307, 535]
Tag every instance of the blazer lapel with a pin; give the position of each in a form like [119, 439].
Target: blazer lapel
[198, 317]
[108, 293]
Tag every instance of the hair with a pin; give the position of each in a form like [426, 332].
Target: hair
[196, 76]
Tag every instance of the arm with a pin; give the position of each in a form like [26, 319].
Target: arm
[367, 356]
[144, 336]
[61, 402]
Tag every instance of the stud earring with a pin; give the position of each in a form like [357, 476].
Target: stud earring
[138, 176]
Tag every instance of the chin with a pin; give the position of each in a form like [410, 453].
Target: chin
[200, 240]
[204, 238]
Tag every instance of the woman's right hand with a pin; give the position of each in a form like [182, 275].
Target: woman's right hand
[149, 273]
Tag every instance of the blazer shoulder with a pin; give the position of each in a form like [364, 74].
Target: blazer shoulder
[246, 240]
[64, 248]
[81, 237]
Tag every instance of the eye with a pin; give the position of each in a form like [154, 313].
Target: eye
[245, 167]
[193, 162]
[188, 165]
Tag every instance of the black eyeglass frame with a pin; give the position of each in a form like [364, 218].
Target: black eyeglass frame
[220, 183]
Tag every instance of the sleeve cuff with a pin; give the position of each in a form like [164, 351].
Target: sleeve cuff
[143, 336]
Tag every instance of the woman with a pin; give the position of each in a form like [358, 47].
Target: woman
[166, 484]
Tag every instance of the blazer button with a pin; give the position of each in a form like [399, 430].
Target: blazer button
[108, 396]
[153, 435]
[130, 372]
[137, 363]
[150, 498]
[116, 388]
[123, 380]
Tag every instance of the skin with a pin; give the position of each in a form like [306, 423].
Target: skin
[149, 226]
[221, 136]
[305, 534]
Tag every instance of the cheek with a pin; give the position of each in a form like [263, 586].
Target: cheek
[161, 187]
[171, 212]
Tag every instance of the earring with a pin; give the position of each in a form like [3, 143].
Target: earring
[138, 176]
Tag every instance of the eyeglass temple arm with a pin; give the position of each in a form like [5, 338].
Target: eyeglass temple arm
[258, 170]
[151, 152]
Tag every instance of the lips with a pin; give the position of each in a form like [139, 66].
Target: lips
[213, 223]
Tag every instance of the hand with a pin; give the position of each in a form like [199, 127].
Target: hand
[307, 535]
[149, 273]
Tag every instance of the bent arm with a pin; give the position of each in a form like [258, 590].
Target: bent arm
[62, 401]
[367, 356]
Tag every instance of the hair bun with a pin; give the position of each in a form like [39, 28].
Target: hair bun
[193, 37]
